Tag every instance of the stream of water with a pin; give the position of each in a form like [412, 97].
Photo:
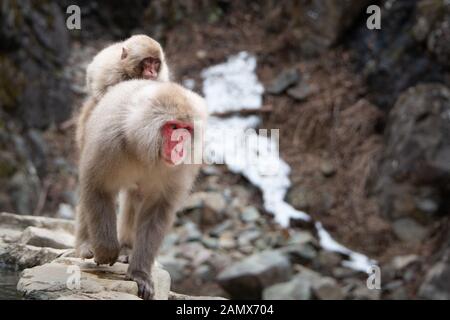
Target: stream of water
[8, 283]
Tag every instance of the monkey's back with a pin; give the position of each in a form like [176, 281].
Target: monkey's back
[104, 70]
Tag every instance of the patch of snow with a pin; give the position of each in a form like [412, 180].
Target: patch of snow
[233, 85]
[65, 211]
[189, 84]
[357, 260]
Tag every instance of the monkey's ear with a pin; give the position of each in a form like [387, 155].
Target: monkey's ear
[124, 53]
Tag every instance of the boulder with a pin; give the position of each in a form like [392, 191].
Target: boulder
[414, 169]
[284, 80]
[432, 27]
[302, 91]
[247, 279]
[300, 253]
[316, 200]
[189, 232]
[436, 284]
[73, 278]
[28, 241]
[328, 289]
[250, 214]
[356, 288]
[401, 262]
[205, 273]
[227, 241]
[20, 256]
[328, 259]
[305, 285]
[20, 222]
[361, 292]
[296, 289]
[175, 266]
[409, 230]
[221, 228]
[41, 237]
[210, 206]
[247, 237]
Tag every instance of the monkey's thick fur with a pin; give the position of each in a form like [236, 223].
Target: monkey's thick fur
[122, 153]
[109, 68]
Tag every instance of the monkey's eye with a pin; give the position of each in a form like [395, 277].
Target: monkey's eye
[173, 126]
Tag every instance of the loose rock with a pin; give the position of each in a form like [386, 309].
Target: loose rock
[247, 278]
[408, 230]
[328, 289]
[295, 289]
[20, 222]
[41, 237]
[436, 285]
[250, 214]
[283, 81]
[21, 256]
[302, 91]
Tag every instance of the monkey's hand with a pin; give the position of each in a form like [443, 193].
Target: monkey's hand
[144, 282]
[107, 253]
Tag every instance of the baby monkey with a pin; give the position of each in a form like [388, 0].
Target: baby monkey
[138, 57]
[135, 140]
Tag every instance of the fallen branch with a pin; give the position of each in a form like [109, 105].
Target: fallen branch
[244, 112]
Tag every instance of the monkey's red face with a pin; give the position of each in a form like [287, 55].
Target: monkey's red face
[176, 137]
[150, 68]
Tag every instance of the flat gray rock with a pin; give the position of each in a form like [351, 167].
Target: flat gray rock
[21, 222]
[21, 256]
[73, 278]
[41, 237]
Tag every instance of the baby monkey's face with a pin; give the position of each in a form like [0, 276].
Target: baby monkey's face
[150, 68]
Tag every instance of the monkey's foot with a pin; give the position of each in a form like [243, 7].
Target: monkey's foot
[106, 254]
[85, 251]
[144, 282]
